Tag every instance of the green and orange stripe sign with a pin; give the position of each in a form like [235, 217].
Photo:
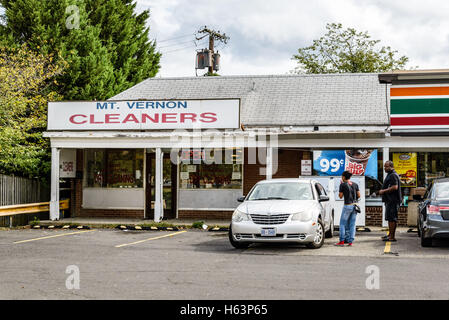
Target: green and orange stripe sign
[420, 106]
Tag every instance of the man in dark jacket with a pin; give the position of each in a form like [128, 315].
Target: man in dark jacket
[392, 197]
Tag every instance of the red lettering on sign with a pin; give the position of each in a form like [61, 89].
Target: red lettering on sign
[109, 117]
[72, 119]
[92, 120]
[166, 117]
[208, 117]
[145, 116]
[188, 116]
[356, 169]
[130, 118]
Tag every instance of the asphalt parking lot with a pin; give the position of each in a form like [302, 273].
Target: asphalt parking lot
[116, 264]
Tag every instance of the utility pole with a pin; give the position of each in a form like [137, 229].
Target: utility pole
[211, 50]
[213, 35]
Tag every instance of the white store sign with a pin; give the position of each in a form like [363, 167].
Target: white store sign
[67, 163]
[144, 115]
[306, 167]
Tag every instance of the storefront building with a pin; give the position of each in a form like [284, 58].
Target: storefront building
[189, 147]
[419, 111]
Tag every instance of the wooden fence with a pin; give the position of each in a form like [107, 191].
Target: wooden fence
[17, 190]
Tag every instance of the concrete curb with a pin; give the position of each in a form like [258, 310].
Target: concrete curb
[217, 229]
[153, 228]
[60, 227]
[358, 229]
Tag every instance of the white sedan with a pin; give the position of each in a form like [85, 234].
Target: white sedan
[283, 210]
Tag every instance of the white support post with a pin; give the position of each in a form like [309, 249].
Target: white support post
[269, 163]
[54, 196]
[386, 157]
[158, 199]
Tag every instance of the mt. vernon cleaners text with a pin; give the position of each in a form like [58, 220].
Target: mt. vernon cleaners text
[153, 117]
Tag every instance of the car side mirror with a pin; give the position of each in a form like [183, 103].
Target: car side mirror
[324, 198]
[417, 197]
[241, 199]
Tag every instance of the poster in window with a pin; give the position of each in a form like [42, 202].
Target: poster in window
[360, 162]
[406, 165]
[121, 173]
[184, 176]
[306, 167]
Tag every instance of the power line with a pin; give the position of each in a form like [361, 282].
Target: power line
[184, 48]
[179, 49]
[175, 44]
[179, 37]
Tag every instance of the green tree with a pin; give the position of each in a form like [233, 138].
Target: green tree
[26, 80]
[347, 51]
[133, 56]
[104, 42]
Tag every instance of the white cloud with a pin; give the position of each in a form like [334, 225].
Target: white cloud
[265, 34]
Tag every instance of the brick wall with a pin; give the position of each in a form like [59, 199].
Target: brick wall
[373, 216]
[289, 166]
[191, 214]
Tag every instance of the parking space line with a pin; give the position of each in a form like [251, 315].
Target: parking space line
[154, 238]
[53, 236]
[387, 247]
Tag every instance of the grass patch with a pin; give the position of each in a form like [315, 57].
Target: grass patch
[35, 222]
[158, 224]
[197, 225]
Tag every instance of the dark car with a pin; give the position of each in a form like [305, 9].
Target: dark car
[433, 212]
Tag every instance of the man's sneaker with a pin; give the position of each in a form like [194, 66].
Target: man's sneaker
[340, 244]
[350, 244]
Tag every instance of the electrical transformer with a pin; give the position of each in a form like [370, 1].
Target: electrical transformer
[216, 61]
[203, 59]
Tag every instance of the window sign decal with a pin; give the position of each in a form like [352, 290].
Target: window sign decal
[360, 162]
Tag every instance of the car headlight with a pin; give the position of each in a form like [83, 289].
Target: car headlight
[239, 216]
[302, 216]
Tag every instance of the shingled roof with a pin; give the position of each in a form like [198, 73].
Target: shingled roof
[281, 100]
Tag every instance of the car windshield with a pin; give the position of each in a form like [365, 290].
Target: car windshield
[281, 191]
[442, 191]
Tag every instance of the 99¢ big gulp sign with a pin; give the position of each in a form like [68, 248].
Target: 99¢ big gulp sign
[144, 115]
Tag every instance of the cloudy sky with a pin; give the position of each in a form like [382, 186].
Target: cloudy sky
[265, 33]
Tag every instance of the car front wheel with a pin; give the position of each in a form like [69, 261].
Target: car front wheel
[318, 241]
[236, 244]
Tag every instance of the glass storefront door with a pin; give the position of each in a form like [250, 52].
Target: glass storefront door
[169, 186]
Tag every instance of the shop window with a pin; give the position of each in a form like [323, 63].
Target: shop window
[114, 168]
[211, 169]
[372, 188]
[432, 165]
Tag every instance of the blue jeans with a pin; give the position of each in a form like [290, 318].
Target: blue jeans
[347, 223]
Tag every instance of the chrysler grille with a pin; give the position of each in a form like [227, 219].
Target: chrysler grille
[272, 219]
